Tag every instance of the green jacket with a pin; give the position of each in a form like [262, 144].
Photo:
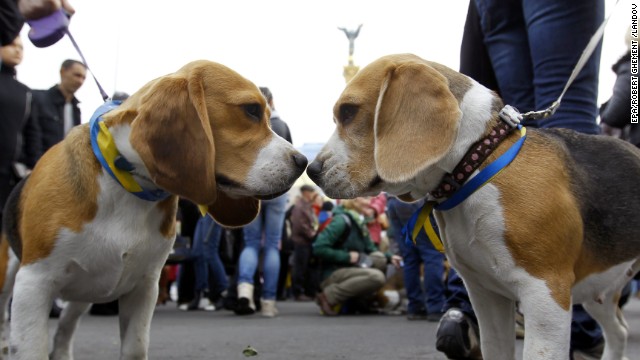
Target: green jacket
[328, 247]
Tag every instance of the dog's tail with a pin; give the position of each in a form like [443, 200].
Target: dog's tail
[11, 219]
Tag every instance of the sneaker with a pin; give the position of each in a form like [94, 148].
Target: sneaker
[457, 336]
[209, 306]
[245, 305]
[269, 308]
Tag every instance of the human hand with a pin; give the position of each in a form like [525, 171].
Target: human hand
[353, 257]
[36, 9]
[396, 260]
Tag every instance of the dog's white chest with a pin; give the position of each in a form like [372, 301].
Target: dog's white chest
[119, 248]
[473, 233]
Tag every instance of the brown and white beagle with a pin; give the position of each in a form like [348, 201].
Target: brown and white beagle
[558, 226]
[201, 133]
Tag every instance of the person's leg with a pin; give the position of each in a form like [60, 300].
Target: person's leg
[274, 218]
[199, 264]
[505, 38]
[248, 263]
[216, 268]
[199, 269]
[347, 283]
[301, 274]
[297, 271]
[311, 275]
[558, 32]
[433, 261]
[416, 307]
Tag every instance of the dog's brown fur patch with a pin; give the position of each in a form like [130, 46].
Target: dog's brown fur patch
[550, 224]
[61, 193]
[169, 208]
[4, 260]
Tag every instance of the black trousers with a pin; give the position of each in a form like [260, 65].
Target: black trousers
[303, 277]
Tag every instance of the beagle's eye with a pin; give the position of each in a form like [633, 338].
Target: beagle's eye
[253, 110]
[347, 113]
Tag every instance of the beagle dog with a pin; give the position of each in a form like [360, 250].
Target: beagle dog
[558, 226]
[81, 234]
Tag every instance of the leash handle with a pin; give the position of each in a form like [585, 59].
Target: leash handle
[584, 57]
[49, 29]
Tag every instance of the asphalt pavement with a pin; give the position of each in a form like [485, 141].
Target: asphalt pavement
[299, 332]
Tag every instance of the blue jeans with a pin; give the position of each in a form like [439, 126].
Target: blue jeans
[534, 46]
[430, 298]
[266, 226]
[206, 247]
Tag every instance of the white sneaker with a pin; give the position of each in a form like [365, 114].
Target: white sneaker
[269, 308]
[208, 306]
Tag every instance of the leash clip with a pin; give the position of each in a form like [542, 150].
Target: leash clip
[511, 116]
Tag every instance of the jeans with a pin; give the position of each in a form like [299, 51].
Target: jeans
[430, 298]
[206, 247]
[412, 255]
[264, 231]
[534, 46]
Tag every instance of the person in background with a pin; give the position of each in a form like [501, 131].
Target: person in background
[58, 110]
[616, 112]
[304, 224]
[20, 141]
[352, 267]
[325, 211]
[266, 226]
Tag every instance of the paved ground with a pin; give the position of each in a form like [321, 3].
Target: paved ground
[298, 333]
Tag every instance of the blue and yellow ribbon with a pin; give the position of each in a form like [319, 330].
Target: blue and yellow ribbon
[423, 220]
[105, 150]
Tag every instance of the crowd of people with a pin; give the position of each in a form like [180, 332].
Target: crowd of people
[342, 253]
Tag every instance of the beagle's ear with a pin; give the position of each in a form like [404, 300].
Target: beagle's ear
[234, 212]
[173, 137]
[416, 119]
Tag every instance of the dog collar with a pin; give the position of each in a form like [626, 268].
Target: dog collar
[116, 165]
[478, 153]
[453, 185]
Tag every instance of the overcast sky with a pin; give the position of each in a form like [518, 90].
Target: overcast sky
[293, 47]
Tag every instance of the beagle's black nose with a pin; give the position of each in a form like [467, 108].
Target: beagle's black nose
[300, 161]
[314, 170]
